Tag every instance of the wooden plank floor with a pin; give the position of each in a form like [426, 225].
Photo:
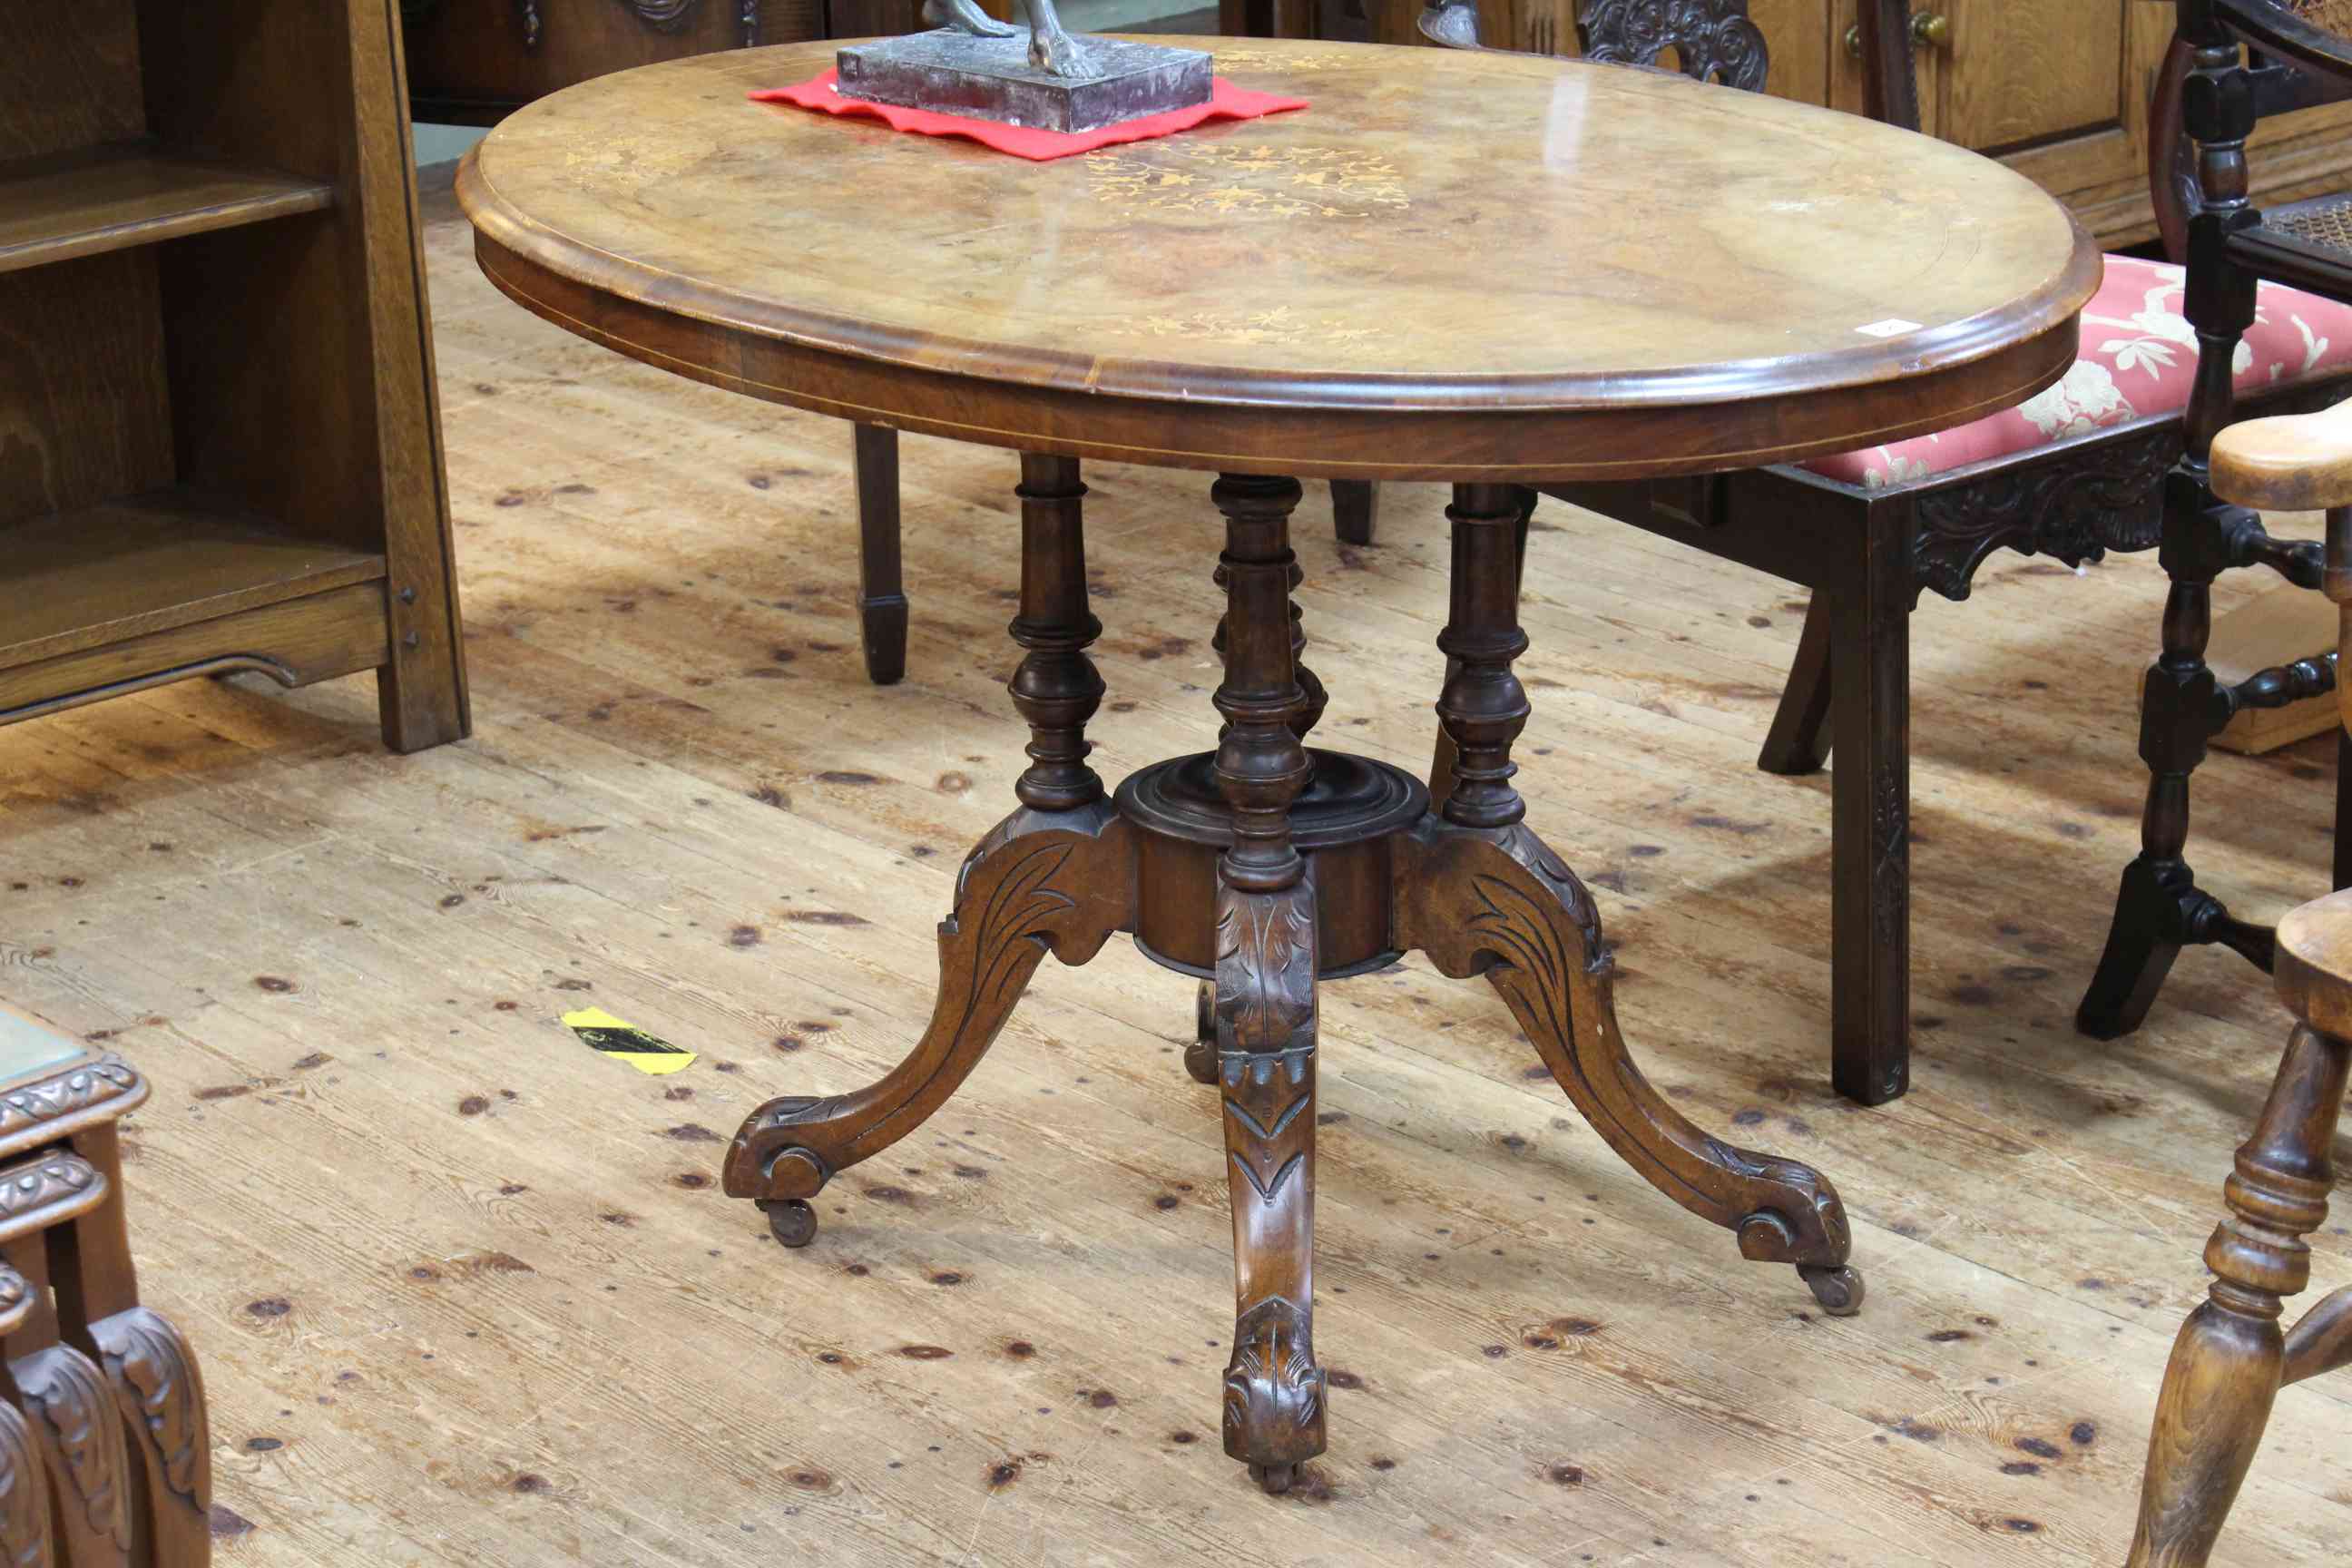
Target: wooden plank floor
[467, 1293]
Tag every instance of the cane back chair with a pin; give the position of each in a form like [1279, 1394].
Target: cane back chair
[2232, 1357]
[2078, 471]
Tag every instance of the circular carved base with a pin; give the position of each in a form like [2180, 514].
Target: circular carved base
[1348, 800]
[1341, 822]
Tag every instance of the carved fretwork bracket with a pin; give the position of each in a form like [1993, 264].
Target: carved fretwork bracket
[1712, 39]
[2110, 498]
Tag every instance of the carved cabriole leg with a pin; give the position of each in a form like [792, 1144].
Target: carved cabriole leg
[147, 1362]
[1057, 876]
[1480, 893]
[2228, 1363]
[70, 1414]
[1265, 1001]
[881, 596]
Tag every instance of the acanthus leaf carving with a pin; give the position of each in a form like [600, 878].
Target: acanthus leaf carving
[68, 1395]
[154, 1375]
[2109, 498]
[24, 1497]
[1274, 1389]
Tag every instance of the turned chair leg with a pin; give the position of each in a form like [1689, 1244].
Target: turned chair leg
[2229, 1360]
[881, 597]
[2342, 865]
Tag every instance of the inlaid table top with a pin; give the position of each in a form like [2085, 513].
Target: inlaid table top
[1474, 266]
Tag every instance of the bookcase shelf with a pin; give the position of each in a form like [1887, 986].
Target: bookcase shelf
[148, 564]
[220, 441]
[98, 199]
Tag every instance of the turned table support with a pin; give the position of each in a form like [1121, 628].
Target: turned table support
[1265, 868]
[1264, 1010]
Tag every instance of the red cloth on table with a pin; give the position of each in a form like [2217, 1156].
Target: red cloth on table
[1226, 102]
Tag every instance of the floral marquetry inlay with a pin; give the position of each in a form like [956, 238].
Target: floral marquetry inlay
[1233, 180]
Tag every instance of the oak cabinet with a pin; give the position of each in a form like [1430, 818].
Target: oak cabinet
[2059, 89]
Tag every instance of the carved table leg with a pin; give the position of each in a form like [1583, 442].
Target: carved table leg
[1056, 876]
[1201, 1056]
[2229, 1360]
[24, 1540]
[70, 1413]
[1480, 893]
[147, 1362]
[1265, 997]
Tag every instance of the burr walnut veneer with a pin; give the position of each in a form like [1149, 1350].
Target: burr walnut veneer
[1486, 270]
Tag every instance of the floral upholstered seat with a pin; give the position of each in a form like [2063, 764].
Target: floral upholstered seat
[2138, 357]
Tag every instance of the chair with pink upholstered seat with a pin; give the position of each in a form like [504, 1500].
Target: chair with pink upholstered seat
[2077, 471]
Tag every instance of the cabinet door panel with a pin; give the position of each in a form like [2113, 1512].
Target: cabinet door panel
[1803, 43]
[2026, 72]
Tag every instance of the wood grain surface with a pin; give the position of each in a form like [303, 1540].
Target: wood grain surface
[1473, 266]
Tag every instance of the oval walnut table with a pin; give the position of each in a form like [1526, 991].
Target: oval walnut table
[1487, 269]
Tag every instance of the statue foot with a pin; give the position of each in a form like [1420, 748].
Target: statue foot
[966, 17]
[1055, 52]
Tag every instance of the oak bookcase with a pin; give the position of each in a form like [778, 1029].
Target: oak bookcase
[220, 446]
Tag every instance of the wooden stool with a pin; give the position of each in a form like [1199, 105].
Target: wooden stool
[105, 1453]
[2231, 1358]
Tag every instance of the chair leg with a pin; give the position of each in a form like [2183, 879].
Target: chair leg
[1799, 741]
[1870, 854]
[1355, 510]
[2227, 1364]
[2158, 900]
[2343, 860]
[881, 599]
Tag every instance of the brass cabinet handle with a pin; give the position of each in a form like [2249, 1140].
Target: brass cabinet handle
[1930, 30]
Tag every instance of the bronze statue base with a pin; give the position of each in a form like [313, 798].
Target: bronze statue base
[953, 72]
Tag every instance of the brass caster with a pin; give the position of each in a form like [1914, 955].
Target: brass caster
[1201, 1056]
[789, 1220]
[1839, 1290]
[1275, 1478]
